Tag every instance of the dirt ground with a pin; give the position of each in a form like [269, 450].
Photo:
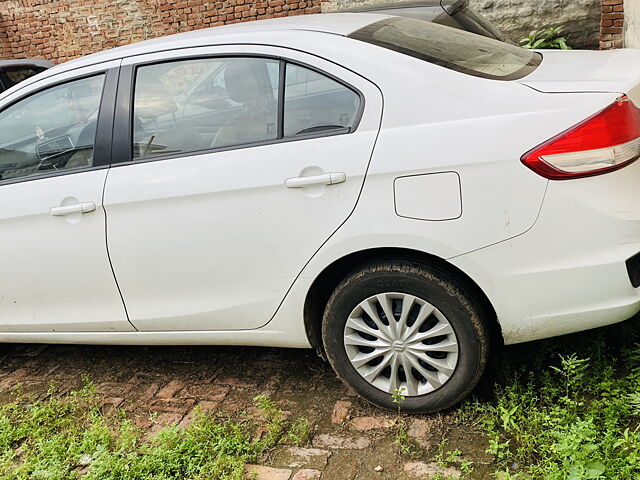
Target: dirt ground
[349, 438]
[161, 385]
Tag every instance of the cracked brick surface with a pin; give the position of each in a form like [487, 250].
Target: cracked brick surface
[161, 386]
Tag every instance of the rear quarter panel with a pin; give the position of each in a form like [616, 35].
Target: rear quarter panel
[437, 120]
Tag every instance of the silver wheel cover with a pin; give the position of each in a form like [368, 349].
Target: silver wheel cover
[400, 343]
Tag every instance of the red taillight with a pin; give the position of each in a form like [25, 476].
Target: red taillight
[604, 142]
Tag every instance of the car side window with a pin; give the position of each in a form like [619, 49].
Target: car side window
[315, 103]
[51, 130]
[15, 75]
[198, 104]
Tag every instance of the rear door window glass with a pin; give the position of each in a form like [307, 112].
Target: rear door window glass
[315, 103]
[451, 48]
[191, 105]
[219, 102]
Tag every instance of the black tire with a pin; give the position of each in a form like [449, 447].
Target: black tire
[442, 290]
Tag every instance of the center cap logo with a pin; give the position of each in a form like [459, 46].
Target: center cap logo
[398, 346]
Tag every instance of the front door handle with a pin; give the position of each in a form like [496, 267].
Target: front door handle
[84, 207]
[324, 179]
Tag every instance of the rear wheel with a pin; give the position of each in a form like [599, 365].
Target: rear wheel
[406, 328]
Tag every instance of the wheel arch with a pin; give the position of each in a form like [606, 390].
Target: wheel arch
[324, 284]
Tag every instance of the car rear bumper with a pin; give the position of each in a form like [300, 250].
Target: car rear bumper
[575, 268]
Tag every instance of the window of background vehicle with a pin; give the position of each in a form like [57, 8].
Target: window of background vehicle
[16, 75]
[451, 48]
[51, 130]
[191, 105]
[314, 103]
[472, 22]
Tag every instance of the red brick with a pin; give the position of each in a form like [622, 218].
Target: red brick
[61, 31]
[262, 472]
[170, 389]
[612, 15]
[340, 411]
[172, 405]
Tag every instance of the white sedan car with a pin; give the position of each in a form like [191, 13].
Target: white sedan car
[398, 195]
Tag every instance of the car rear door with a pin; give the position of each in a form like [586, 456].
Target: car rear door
[54, 155]
[209, 224]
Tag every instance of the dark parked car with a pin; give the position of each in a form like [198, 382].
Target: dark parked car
[452, 13]
[15, 71]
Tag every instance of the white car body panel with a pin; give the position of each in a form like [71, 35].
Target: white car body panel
[267, 336]
[588, 71]
[574, 277]
[57, 276]
[548, 255]
[224, 215]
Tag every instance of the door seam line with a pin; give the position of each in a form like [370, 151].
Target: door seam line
[106, 243]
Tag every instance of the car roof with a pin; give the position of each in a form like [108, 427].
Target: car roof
[19, 62]
[331, 23]
[430, 4]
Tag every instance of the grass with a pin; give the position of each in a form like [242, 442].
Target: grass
[561, 409]
[565, 409]
[68, 438]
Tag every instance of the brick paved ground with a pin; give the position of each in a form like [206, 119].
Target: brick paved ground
[159, 386]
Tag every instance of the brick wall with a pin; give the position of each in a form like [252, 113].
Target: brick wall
[611, 24]
[5, 48]
[60, 30]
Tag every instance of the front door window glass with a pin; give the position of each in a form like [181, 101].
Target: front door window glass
[51, 130]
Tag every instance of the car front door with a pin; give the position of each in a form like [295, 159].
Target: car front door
[54, 142]
[220, 192]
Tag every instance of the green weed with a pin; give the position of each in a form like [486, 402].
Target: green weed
[300, 432]
[404, 443]
[546, 38]
[69, 438]
[575, 419]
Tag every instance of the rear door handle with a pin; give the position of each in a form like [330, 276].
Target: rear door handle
[324, 179]
[84, 207]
